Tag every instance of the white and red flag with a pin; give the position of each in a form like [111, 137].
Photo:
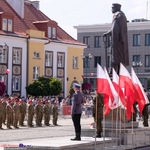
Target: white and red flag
[115, 82]
[103, 86]
[125, 83]
[140, 95]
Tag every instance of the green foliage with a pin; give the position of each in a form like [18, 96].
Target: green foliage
[44, 87]
[71, 90]
[55, 86]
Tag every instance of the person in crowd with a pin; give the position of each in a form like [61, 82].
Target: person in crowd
[99, 99]
[76, 111]
[9, 116]
[68, 100]
[46, 112]
[88, 108]
[55, 114]
[22, 106]
[63, 102]
[30, 111]
[57, 100]
[60, 98]
[12, 104]
[1, 114]
[16, 114]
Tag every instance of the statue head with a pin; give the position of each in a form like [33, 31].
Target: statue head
[116, 7]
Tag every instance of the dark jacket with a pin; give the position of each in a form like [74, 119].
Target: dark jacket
[77, 100]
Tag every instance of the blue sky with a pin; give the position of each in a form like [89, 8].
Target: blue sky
[69, 13]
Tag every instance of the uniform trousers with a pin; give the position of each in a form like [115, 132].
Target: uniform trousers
[76, 122]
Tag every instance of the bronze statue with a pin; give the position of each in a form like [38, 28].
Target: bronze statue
[119, 38]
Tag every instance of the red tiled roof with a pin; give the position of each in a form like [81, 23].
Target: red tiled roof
[31, 14]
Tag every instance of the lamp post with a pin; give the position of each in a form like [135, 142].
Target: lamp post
[137, 65]
[86, 61]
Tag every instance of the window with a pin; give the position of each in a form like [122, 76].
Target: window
[4, 25]
[16, 56]
[136, 40]
[86, 40]
[86, 62]
[54, 32]
[9, 25]
[48, 59]
[147, 61]
[147, 39]
[35, 73]
[136, 58]
[60, 60]
[16, 83]
[36, 55]
[3, 78]
[75, 59]
[97, 41]
[49, 32]
[97, 59]
[2, 55]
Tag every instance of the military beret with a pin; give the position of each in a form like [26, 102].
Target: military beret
[0, 101]
[9, 101]
[46, 102]
[16, 100]
[76, 85]
[29, 101]
[39, 101]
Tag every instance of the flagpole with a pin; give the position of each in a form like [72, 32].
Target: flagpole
[112, 127]
[132, 129]
[96, 120]
[104, 127]
[120, 125]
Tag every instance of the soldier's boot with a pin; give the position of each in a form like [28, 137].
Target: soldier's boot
[77, 138]
[98, 135]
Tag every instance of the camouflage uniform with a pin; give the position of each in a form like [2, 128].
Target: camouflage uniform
[30, 111]
[12, 104]
[39, 114]
[22, 113]
[100, 104]
[16, 114]
[55, 114]
[4, 104]
[46, 112]
[1, 115]
[9, 113]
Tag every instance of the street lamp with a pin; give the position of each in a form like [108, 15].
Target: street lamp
[86, 61]
[137, 65]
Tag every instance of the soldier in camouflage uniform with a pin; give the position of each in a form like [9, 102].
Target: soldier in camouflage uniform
[22, 106]
[30, 111]
[145, 113]
[16, 114]
[12, 104]
[46, 111]
[38, 113]
[41, 112]
[9, 113]
[55, 114]
[4, 104]
[100, 104]
[1, 114]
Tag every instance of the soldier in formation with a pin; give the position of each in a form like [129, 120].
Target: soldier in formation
[9, 113]
[1, 114]
[16, 114]
[46, 112]
[55, 114]
[4, 104]
[22, 106]
[99, 99]
[30, 111]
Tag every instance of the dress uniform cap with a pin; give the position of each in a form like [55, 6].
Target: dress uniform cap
[116, 5]
[76, 85]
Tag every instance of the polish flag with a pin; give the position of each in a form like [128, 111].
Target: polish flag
[113, 101]
[91, 74]
[82, 76]
[140, 95]
[125, 82]
[115, 82]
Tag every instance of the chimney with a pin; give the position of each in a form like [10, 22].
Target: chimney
[35, 4]
[18, 6]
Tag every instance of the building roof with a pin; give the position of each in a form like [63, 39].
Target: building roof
[31, 16]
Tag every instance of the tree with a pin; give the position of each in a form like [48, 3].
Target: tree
[44, 87]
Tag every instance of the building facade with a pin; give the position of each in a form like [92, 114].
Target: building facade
[138, 43]
[33, 45]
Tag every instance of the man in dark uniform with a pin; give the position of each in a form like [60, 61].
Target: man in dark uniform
[119, 38]
[76, 110]
[99, 98]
